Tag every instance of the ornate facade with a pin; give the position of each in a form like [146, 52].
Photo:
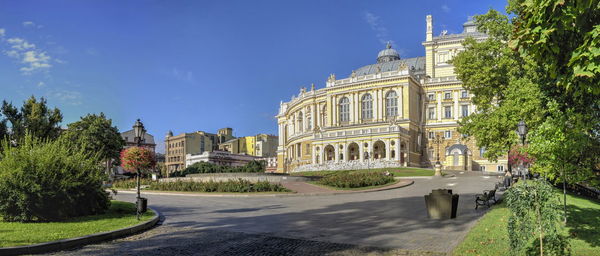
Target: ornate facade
[385, 115]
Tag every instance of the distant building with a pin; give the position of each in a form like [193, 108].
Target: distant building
[261, 145]
[147, 142]
[219, 157]
[177, 147]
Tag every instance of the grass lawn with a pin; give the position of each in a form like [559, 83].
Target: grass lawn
[353, 189]
[119, 215]
[397, 172]
[489, 236]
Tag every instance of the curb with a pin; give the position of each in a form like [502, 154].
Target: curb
[70, 243]
[264, 195]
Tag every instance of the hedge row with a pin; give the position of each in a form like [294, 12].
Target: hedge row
[204, 167]
[240, 186]
[355, 179]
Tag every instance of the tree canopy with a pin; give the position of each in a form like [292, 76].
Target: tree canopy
[34, 117]
[96, 133]
[516, 74]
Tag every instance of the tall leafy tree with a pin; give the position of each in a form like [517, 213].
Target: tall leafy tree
[515, 77]
[96, 133]
[503, 86]
[34, 117]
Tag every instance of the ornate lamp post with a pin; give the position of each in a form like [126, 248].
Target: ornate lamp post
[438, 166]
[139, 131]
[522, 132]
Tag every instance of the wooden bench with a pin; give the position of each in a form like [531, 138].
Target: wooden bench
[485, 198]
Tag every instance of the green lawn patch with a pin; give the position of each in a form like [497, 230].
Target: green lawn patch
[119, 215]
[490, 237]
[396, 172]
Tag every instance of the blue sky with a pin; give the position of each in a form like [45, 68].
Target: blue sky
[200, 65]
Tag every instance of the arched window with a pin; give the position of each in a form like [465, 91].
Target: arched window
[344, 110]
[391, 104]
[300, 119]
[367, 107]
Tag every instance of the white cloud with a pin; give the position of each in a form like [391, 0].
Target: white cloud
[186, 76]
[66, 96]
[33, 59]
[376, 23]
[445, 8]
[41, 84]
[2, 32]
[20, 44]
[31, 24]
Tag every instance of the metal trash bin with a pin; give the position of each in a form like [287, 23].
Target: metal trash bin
[441, 204]
[142, 204]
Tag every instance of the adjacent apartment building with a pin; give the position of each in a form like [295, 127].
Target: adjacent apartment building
[178, 146]
[261, 145]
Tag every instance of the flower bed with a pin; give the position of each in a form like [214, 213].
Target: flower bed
[355, 179]
[237, 186]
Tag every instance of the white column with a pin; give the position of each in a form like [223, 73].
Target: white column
[314, 116]
[397, 149]
[387, 150]
[361, 154]
[334, 111]
[401, 104]
[439, 106]
[346, 152]
[314, 155]
[337, 152]
[375, 106]
[456, 111]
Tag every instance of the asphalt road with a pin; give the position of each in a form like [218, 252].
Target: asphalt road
[353, 224]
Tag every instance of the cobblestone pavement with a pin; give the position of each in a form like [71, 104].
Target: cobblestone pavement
[187, 241]
[391, 222]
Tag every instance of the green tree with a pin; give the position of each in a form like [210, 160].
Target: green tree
[34, 117]
[96, 133]
[509, 85]
[503, 86]
[534, 225]
[562, 38]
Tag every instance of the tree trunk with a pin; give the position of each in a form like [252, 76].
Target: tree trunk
[564, 178]
[138, 184]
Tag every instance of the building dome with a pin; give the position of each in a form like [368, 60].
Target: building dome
[387, 54]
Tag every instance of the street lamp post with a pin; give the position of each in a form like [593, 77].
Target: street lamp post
[522, 131]
[140, 131]
[438, 166]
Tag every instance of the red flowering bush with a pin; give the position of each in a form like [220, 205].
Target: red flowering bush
[518, 156]
[137, 158]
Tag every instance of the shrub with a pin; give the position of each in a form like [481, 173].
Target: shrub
[240, 186]
[204, 167]
[49, 180]
[130, 183]
[535, 225]
[355, 179]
